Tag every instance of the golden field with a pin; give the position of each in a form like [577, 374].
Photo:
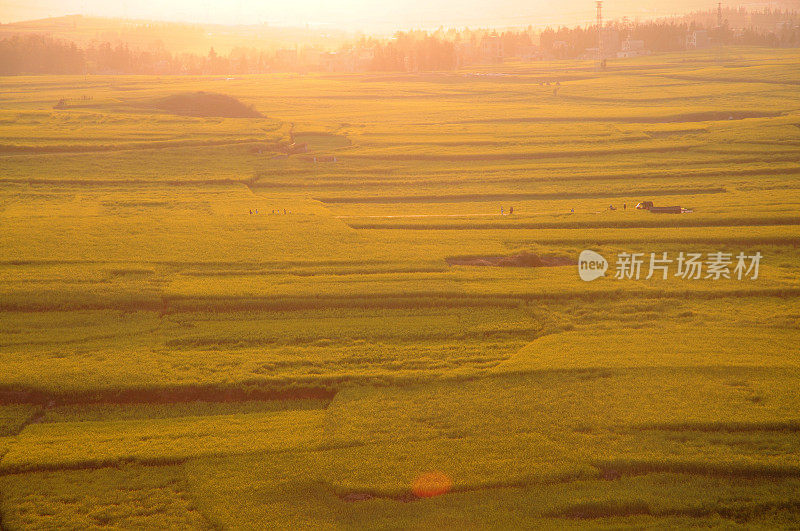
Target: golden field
[200, 331]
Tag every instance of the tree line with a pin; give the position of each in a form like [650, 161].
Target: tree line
[414, 50]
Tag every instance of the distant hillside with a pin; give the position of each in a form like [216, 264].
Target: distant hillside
[206, 104]
[175, 37]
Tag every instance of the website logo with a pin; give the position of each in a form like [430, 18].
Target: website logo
[687, 266]
[591, 265]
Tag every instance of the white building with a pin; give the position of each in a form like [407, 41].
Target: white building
[696, 40]
[632, 48]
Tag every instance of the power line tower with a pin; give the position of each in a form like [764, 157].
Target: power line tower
[599, 33]
[719, 34]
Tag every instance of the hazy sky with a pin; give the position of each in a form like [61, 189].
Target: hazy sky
[354, 14]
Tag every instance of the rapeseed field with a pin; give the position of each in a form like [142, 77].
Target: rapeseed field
[199, 330]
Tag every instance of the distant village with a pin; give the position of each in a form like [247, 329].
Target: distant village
[414, 51]
[451, 49]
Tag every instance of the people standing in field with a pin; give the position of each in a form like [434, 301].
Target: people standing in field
[501, 211]
[511, 211]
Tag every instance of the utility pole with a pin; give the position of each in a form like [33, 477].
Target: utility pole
[599, 33]
[719, 14]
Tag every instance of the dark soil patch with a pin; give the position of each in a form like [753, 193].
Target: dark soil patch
[531, 196]
[357, 496]
[206, 104]
[167, 394]
[658, 222]
[705, 116]
[533, 155]
[605, 509]
[13, 149]
[366, 496]
[516, 260]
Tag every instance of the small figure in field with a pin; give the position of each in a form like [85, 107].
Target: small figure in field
[611, 207]
[251, 211]
[256, 211]
[572, 210]
[624, 206]
[284, 211]
[501, 211]
[511, 211]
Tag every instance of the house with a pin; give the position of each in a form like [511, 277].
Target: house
[697, 39]
[491, 49]
[632, 48]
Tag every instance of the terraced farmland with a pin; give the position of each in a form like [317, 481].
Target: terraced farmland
[199, 329]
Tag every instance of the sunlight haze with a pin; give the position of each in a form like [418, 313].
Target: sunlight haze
[354, 14]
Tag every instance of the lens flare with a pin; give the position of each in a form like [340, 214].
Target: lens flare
[431, 484]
